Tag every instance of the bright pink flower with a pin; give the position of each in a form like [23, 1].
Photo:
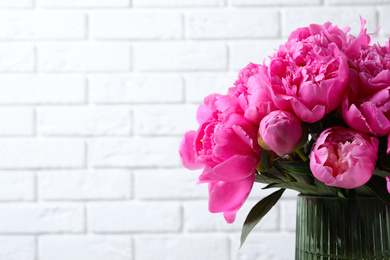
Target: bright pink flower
[309, 74]
[280, 131]
[366, 107]
[343, 157]
[331, 32]
[226, 146]
[348, 43]
[250, 90]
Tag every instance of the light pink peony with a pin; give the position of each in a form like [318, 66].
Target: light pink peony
[225, 146]
[366, 107]
[309, 74]
[280, 131]
[343, 157]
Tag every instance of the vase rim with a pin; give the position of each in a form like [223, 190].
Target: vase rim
[336, 198]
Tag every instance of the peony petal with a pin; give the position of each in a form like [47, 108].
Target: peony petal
[187, 151]
[235, 168]
[305, 114]
[354, 118]
[229, 196]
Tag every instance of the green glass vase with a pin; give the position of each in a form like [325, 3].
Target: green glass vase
[333, 228]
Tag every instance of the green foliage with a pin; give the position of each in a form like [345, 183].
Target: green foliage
[258, 212]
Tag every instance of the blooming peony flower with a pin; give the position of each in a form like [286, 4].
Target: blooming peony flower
[344, 157]
[280, 131]
[366, 107]
[225, 146]
[309, 74]
[250, 90]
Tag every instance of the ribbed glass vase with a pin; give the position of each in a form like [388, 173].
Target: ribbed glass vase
[332, 228]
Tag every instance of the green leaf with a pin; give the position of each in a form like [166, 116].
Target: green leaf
[324, 189]
[264, 159]
[268, 178]
[298, 186]
[302, 178]
[258, 212]
[298, 167]
[381, 173]
[377, 185]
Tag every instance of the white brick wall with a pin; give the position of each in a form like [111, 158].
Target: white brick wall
[95, 96]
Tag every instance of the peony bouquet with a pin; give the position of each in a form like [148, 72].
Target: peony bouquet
[314, 118]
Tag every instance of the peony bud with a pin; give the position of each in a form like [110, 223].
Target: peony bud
[343, 157]
[281, 132]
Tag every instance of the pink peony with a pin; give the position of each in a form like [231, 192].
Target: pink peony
[343, 157]
[225, 146]
[251, 93]
[280, 131]
[366, 107]
[309, 74]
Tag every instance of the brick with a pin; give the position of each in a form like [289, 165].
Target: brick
[384, 21]
[288, 215]
[16, 3]
[135, 152]
[41, 25]
[41, 218]
[164, 120]
[198, 86]
[275, 2]
[17, 186]
[19, 154]
[243, 53]
[192, 247]
[134, 217]
[340, 16]
[136, 89]
[17, 57]
[84, 185]
[83, 57]
[381, 40]
[17, 248]
[126, 25]
[16, 121]
[197, 218]
[356, 2]
[175, 3]
[267, 246]
[180, 56]
[83, 3]
[247, 23]
[168, 184]
[84, 121]
[83, 247]
[42, 89]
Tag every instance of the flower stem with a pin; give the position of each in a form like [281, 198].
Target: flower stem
[300, 153]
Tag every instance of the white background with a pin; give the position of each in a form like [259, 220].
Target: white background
[95, 96]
